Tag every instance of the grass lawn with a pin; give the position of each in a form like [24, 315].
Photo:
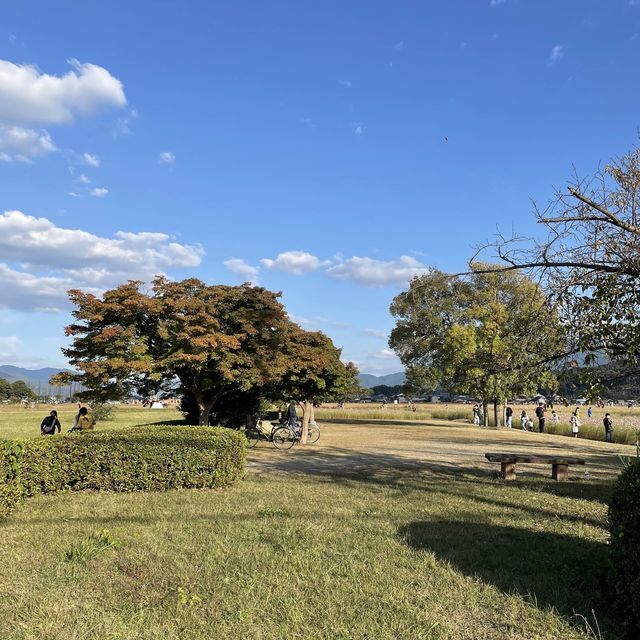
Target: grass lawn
[377, 532]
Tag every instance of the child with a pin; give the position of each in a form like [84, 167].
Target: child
[524, 419]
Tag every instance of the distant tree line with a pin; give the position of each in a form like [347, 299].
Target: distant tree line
[15, 390]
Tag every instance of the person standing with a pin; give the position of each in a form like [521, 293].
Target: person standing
[49, 425]
[292, 414]
[575, 424]
[509, 415]
[608, 428]
[589, 412]
[476, 414]
[481, 415]
[524, 419]
[555, 416]
[540, 415]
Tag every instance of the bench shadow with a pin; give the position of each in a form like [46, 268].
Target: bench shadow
[562, 572]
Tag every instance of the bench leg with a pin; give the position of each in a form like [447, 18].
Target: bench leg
[560, 472]
[508, 470]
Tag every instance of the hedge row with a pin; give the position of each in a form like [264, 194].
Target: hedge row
[624, 527]
[140, 459]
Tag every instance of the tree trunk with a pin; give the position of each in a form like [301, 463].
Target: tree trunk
[495, 412]
[485, 413]
[307, 411]
[204, 410]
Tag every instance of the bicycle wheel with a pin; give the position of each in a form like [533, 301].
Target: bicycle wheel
[283, 438]
[313, 433]
[252, 436]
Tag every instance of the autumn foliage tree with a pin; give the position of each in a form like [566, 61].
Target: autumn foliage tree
[216, 342]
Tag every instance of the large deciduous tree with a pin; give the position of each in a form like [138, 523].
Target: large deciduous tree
[220, 344]
[484, 334]
[588, 261]
[314, 372]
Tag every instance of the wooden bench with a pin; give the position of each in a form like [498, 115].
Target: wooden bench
[508, 461]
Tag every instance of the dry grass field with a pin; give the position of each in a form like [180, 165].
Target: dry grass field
[386, 529]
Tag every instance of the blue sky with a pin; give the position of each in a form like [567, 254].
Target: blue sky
[328, 150]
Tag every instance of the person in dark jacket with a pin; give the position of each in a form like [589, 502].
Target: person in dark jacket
[540, 415]
[608, 428]
[292, 413]
[49, 425]
[509, 414]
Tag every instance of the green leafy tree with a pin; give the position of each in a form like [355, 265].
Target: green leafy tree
[314, 372]
[20, 389]
[485, 334]
[6, 391]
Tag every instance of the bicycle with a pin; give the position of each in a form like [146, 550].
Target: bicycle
[285, 436]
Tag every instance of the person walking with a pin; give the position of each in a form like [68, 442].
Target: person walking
[509, 415]
[476, 414]
[540, 415]
[49, 425]
[589, 412]
[524, 420]
[608, 428]
[481, 415]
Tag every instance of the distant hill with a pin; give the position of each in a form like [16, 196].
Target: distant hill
[33, 377]
[368, 380]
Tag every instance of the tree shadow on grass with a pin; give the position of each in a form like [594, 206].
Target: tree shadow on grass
[550, 570]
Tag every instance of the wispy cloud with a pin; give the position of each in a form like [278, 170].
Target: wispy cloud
[399, 46]
[345, 83]
[378, 273]
[557, 53]
[245, 271]
[83, 179]
[496, 3]
[168, 158]
[309, 123]
[92, 161]
[99, 192]
[358, 128]
[377, 333]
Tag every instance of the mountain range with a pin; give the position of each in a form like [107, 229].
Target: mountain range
[36, 378]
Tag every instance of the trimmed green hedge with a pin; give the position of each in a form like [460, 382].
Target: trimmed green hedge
[142, 459]
[624, 526]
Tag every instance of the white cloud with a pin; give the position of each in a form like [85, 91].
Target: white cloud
[384, 354]
[296, 263]
[241, 268]
[167, 157]
[124, 124]
[495, 3]
[99, 192]
[345, 83]
[53, 259]
[358, 128]
[557, 53]
[73, 194]
[378, 273]
[377, 333]
[92, 161]
[28, 96]
[18, 143]
[9, 345]
[83, 179]
[399, 46]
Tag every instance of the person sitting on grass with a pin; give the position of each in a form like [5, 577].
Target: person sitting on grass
[84, 421]
[50, 424]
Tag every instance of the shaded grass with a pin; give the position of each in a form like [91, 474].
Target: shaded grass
[290, 556]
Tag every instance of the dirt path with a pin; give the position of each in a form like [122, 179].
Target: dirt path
[373, 447]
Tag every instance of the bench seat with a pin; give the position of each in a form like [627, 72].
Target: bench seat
[559, 464]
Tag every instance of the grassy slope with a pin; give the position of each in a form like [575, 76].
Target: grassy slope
[416, 555]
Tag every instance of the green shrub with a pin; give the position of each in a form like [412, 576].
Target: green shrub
[624, 526]
[140, 459]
